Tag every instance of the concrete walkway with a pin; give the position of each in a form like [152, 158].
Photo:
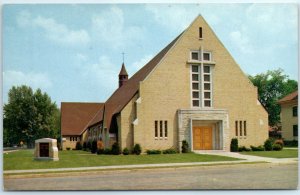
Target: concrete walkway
[248, 158]
[245, 159]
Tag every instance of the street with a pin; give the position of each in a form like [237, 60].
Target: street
[240, 176]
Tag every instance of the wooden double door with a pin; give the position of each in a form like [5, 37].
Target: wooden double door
[202, 138]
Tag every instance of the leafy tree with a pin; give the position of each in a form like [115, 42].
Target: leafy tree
[272, 86]
[29, 115]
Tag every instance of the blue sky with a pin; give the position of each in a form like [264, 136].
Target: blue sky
[74, 52]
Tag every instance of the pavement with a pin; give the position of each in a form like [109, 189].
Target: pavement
[244, 159]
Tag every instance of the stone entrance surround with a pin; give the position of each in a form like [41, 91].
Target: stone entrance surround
[186, 117]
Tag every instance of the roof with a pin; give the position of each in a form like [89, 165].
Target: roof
[123, 70]
[288, 98]
[125, 93]
[76, 116]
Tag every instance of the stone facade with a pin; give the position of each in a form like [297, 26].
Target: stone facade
[187, 118]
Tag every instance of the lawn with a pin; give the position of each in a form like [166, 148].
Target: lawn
[23, 159]
[285, 153]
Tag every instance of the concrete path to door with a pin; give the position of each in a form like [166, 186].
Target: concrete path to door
[248, 158]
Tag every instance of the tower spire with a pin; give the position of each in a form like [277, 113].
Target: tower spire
[123, 76]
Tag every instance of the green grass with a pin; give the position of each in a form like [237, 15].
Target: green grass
[285, 153]
[23, 159]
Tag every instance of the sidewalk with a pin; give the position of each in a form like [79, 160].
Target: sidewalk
[245, 159]
[249, 158]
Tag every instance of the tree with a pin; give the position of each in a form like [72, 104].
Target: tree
[29, 115]
[272, 86]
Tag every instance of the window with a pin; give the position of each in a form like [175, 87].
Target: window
[200, 32]
[160, 129]
[70, 139]
[206, 56]
[166, 128]
[236, 128]
[245, 128]
[295, 130]
[195, 56]
[156, 129]
[241, 128]
[295, 111]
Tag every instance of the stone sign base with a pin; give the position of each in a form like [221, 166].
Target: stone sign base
[46, 149]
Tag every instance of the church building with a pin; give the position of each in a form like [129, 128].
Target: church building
[191, 90]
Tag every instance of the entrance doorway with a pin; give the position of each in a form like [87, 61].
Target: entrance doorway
[44, 149]
[202, 138]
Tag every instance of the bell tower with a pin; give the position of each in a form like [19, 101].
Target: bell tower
[123, 76]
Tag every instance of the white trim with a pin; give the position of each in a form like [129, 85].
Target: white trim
[139, 100]
[136, 121]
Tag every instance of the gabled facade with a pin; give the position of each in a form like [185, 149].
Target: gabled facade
[192, 90]
[289, 116]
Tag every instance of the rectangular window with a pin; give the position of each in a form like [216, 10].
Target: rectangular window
[207, 103]
[206, 56]
[166, 128]
[195, 94]
[245, 128]
[207, 77]
[200, 32]
[206, 69]
[206, 86]
[195, 56]
[295, 111]
[195, 69]
[195, 77]
[236, 128]
[156, 129]
[207, 95]
[70, 139]
[196, 103]
[295, 130]
[160, 129]
[241, 128]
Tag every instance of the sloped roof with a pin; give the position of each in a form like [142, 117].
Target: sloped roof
[125, 93]
[290, 97]
[75, 116]
[123, 70]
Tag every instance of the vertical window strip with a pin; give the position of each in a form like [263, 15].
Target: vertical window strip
[200, 32]
[160, 129]
[156, 129]
[241, 128]
[166, 128]
[236, 128]
[245, 128]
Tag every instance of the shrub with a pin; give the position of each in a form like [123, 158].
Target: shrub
[153, 152]
[277, 147]
[244, 149]
[293, 143]
[107, 151]
[185, 147]
[259, 148]
[125, 151]
[137, 149]
[100, 151]
[100, 144]
[234, 145]
[84, 146]
[280, 142]
[169, 151]
[94, 147]
[78, 146]
[68, 148]
[268, 145]
[89, 145]
[116, 149]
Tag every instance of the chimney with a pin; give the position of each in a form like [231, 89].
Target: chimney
[123, 76]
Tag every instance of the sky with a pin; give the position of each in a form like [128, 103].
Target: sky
[73, 52]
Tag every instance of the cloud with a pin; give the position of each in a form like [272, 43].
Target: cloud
[103, 72]
[109, 27]
[35, 80]
[81, 57]
[135, 66]
[53, 30]
[173, 17]
[241, 41]
[17, 78]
